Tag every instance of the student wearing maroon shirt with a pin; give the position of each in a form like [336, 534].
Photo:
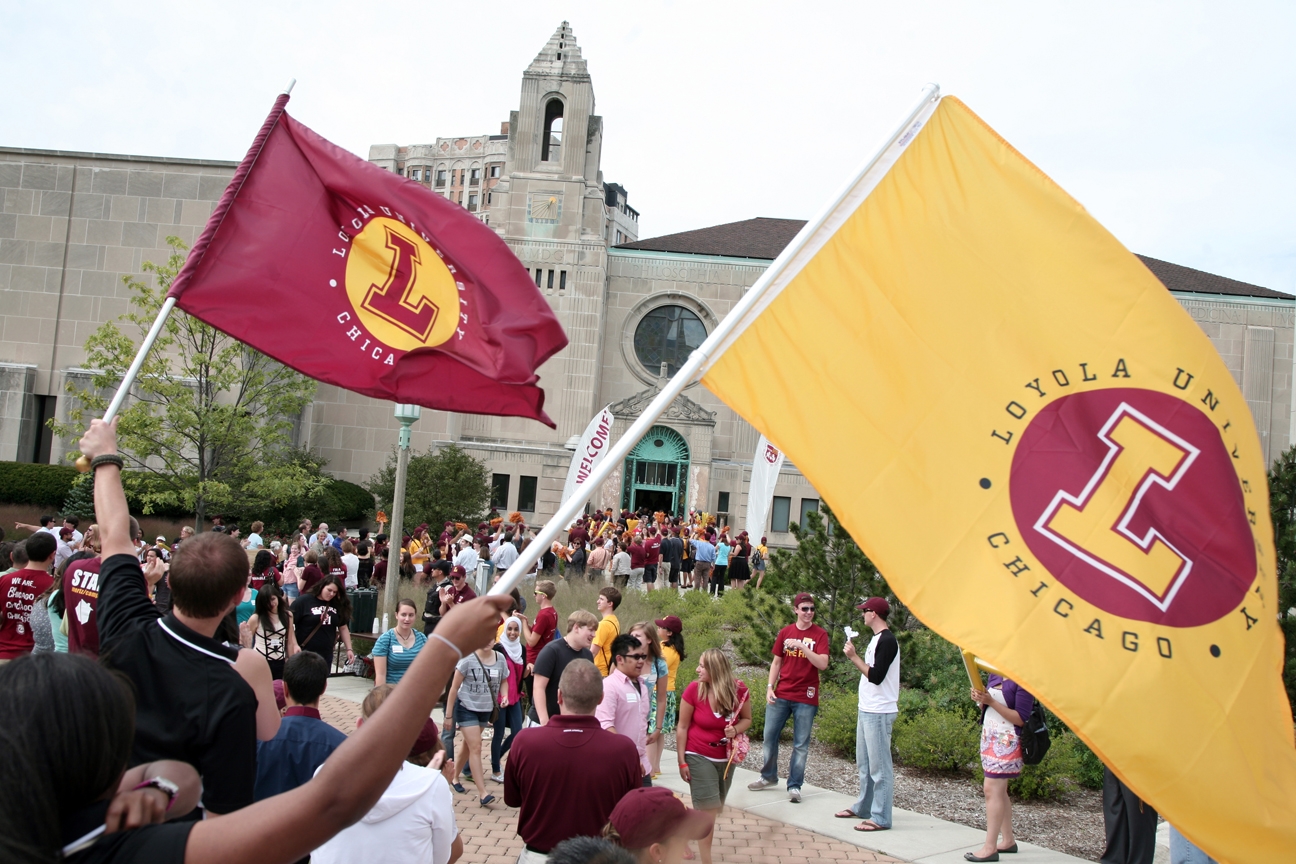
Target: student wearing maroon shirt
[568, 775]
[800, 654]
[652, 557]
[638, 559]
[541, 633]
[19, 591]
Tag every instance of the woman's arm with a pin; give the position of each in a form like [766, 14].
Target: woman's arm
[346, 638]
[744, 722]
[293, 647]
[681, 737]
[133, 808]
[983, 697]
[454, 694]
[357, 773]
[380, 668]
[661, 703]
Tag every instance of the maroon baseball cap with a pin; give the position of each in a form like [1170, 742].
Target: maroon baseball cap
[877, 605]
[458, 571]
[654, 815]
[426, 740]
[671, 623]
[802, 597]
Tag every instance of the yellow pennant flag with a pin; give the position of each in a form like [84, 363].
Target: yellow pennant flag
[1048, 461]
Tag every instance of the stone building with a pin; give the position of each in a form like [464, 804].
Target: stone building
[74, 223]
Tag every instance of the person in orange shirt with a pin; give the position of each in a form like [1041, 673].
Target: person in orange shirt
[608, 629]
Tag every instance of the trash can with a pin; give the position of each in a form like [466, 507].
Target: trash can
[364, 608]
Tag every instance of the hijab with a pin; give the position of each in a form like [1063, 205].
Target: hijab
[512, 647]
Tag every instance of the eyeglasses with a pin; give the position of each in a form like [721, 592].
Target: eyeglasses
[807, 608]
[637, 656]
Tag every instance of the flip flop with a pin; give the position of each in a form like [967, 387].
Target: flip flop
[845, 814]
[870, 825]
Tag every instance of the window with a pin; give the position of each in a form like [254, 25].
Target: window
[550, 280]
[527, 493]
[499, 491]
[562, 280]
[808, 505]
[472, 201]
[667, 334]
[722, 503]
[779, 513]
[489, 196]
[441, 177]
[494, 171]
[539, 277]
[476, 176]
[551, 141]
[400, 171]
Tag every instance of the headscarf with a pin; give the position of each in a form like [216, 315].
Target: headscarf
[512, 647]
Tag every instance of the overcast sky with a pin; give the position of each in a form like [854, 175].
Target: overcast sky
[1172, 122]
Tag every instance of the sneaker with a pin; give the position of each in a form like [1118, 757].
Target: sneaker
[497, 777]
[459, 787]
[794, 795]
[761, 783]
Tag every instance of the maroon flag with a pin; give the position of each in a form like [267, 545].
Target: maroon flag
[355, 276]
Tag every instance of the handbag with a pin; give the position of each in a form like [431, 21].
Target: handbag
[740, 744]
[494, 695]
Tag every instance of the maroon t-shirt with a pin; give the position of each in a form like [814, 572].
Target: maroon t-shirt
[546, 624]
[652, 551]
[577, 533]
[798, 678]
[81, 598]
[636, 551]
[19, 590]
[311, 576]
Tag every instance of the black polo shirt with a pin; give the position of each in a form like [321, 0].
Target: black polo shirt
[190, 702]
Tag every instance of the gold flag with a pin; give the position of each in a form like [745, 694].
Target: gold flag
[1047, 459]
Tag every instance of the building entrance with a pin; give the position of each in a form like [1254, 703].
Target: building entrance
[656, 473]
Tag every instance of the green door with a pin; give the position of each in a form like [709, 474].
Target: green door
[656, 473]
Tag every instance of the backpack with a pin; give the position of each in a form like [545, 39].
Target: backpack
[1035, 736]
[757, 560]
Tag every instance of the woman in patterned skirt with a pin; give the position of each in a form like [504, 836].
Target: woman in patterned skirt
[1006, 707]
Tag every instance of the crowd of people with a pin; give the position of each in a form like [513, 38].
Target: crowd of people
[176, 686]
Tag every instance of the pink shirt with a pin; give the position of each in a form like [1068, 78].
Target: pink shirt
[625, 707]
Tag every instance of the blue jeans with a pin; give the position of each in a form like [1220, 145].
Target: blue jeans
[876, 777]
[776, 717]
[1182, 850]
[511, 716]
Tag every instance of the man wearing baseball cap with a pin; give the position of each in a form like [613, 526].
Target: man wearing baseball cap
[879, 691]
[654, 825]
[800, 654]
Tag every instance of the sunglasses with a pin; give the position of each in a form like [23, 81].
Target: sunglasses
[807, 608]
[637, 656]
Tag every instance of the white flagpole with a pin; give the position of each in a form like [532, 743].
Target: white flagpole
[128, 380]
[693, 367]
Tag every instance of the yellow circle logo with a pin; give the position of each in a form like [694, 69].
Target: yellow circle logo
[400, 287]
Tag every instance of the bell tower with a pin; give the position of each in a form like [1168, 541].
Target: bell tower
[550, 208]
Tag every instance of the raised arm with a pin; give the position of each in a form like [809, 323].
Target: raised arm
[355, 776]
[110, 500]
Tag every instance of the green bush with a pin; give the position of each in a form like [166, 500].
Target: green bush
[937, 739]
[756, 684]
[837, 718]
[1088, 770]
[36, 485]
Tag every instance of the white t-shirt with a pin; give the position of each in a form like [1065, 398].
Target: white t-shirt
[412, 823]
[880, 698]
[254, 541]
[352, 562]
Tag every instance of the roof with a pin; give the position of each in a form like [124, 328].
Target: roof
[560, 56]
[1176, 277]
[765, 238]
[761, 238]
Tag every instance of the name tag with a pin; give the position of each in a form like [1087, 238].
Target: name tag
[632, 697]
[398, 649]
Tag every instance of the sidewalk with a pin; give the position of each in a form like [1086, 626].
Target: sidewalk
[756, 828]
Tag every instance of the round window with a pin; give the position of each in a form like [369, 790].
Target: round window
[667, 334]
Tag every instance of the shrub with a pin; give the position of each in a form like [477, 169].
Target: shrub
[37, 485]
[756, 684]
[936, 739]
[837, 718]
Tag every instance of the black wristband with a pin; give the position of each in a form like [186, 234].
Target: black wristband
[107, 459]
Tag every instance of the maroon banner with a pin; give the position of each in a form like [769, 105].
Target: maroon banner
[357, 277]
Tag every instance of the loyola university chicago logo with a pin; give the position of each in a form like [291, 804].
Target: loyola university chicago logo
[403, 293]
[1130, 500]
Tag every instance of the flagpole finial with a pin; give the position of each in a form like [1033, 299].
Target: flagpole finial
[292, 82]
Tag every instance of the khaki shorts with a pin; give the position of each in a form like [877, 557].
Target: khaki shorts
[709, 787]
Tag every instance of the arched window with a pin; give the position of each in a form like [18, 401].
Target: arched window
[667, 334]
[551, 143]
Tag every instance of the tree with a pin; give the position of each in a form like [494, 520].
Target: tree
[1282, 506]
[445, 484]
[830, 565]
[209, 419]
[80, 499]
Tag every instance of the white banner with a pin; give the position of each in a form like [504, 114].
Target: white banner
[766, 465]
[589, 453]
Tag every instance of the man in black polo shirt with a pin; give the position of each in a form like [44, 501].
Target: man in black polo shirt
[568, 775]
[194, 702]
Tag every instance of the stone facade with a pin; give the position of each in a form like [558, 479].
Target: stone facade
[74, 223]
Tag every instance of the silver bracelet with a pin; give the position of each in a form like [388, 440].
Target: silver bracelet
[448, 642]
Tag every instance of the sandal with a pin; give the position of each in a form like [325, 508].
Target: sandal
[870, 825]
[845, 814]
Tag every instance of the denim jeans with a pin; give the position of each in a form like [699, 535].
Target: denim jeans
[776, 717]
[511, 716]
[876, 777]
[1182, 850]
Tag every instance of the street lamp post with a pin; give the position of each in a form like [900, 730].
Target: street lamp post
[406, 414]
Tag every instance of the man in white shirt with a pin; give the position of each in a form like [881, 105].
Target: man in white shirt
[505, 554]
[879, 692]
[467, 557]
